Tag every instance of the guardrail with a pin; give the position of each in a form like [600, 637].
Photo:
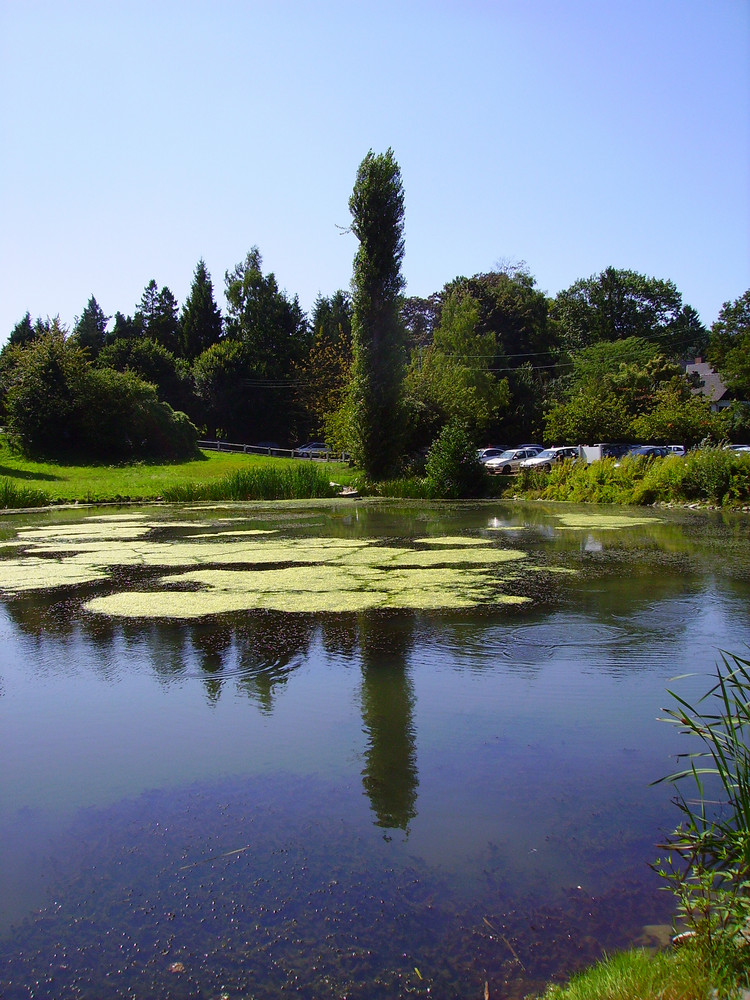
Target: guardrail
[257, 449]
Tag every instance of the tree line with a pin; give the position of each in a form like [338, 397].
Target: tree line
[375, 372]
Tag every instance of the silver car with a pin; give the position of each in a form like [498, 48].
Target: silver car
[547, 458]
[485, 454]
[510, 460]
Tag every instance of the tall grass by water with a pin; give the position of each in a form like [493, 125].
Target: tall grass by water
[287, 482]
[639, 975]
[32, 483]
[15, 497]
[709, 475]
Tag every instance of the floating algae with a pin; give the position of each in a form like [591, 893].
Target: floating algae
[584, 520]
[439, 557]
[454, 540]
[228, 533]
[40, 574]
[70, 532]
[229, 568]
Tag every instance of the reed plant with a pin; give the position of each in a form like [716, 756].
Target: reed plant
[707, 860]
[301, 481]
[14, 497]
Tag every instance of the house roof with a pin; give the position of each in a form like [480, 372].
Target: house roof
[711, 386]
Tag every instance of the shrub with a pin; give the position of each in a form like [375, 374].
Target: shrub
[60, 405]
[711, 474]
[453, 469]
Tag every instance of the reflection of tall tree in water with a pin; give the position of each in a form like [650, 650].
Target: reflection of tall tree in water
[268, 644]
[390, 777]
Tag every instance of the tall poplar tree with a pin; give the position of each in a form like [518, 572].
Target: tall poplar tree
[378, 336]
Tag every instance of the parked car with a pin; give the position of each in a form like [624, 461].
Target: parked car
[313, 449]
[649, 450]
[510, 460]
[737, 447]
[594, 452]
[485, 454]
[547, 458]
[676, 449]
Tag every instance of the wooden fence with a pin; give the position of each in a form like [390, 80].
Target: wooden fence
[318, 455]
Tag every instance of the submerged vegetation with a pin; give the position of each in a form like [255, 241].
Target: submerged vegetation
[707, 862]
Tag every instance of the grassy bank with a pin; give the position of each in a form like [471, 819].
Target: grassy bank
[639, 975]
[24, 483]
[711, 475]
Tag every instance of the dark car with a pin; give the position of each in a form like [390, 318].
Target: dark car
[649, 450]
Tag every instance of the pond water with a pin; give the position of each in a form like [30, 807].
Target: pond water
[344, 749]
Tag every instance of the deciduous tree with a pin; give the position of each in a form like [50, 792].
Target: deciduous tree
[729, 350]
[323, 377]
[617, 304]
[452, 379]
[378, 341]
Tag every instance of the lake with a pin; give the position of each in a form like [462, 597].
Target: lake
[344, 748]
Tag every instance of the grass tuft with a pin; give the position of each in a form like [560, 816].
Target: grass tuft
[13, 496]
[639, 975]
[264, 482]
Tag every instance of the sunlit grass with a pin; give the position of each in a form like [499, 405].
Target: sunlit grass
[94, 483]
[712, 475]
[639, 975]
[14, 496]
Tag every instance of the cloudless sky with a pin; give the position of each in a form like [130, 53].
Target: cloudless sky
[137, 137]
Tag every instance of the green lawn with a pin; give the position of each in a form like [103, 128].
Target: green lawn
[140, 481]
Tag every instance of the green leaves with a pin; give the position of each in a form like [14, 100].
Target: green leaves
[377, 208]
[708, 864]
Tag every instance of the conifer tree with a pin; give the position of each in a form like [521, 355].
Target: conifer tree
[200, 322]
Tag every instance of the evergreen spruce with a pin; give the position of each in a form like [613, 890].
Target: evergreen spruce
[200, 322]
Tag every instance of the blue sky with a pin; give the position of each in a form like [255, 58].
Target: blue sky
[137, 137]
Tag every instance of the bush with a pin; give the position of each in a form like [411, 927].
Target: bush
[59, 405]
[710, 475]
[453, 469]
